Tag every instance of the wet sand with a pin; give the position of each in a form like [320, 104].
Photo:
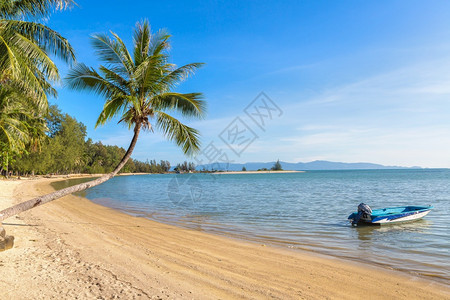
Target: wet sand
[74, 248]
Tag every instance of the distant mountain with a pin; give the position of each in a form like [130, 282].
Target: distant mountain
[314, 165]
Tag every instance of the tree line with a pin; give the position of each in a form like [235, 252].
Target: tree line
[66, 149]
[185, 167]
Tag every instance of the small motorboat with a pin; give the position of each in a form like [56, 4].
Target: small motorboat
[365, 215]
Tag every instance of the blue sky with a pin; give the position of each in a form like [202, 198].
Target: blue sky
[354, 81]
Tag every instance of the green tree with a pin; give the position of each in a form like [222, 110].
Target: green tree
[244, 169]
[25, 45]
[165, 165]
[67, 151]
[22, 127]
[26, 68]
[139, 89]
[67, 144]
[184, 167]
[13, 129]
[62, 152]
[277, 166]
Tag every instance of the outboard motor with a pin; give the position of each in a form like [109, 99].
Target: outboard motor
[362, 209]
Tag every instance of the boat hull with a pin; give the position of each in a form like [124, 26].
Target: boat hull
[393, 215]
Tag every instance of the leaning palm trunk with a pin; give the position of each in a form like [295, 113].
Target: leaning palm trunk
[138, 88]
[24, 206]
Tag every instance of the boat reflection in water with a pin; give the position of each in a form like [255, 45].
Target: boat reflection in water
[369, 232]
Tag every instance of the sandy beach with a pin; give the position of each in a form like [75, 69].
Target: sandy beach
[73, 248]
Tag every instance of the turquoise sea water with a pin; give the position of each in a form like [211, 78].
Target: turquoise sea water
[301, 211]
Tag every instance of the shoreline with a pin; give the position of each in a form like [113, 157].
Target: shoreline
[92, 250]
[256, 172]
[308, 247]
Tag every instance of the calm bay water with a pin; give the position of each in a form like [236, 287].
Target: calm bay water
[301, 211]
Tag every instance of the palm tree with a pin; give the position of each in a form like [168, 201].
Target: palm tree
[34, 8]
[22, 124]
[26, 71]
[13, 112]
[25, 45]
[139, 90]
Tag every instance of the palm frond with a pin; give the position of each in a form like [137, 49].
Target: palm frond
[111, 53]
[46, 38]
[111, 108]
[34, 8]
[8, 61]
[23, 58]
[175, 77]
[114, 78]
[190, 105]
[184, 136]
[148, 75]
[81, 77]
[17, 114]
[124, 54]
[159, 43]
[33, 53]
[30, 78]
[141, 40]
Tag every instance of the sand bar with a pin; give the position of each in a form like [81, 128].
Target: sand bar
[255, 172]
[73, 248]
